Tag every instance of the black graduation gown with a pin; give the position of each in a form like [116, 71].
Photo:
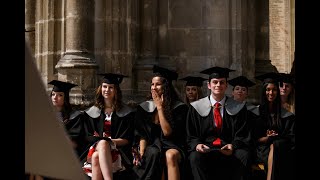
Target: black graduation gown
[235, 131]
[74, 128]
[121, 127]
[252, 116]
[284, 146]
[157, 143]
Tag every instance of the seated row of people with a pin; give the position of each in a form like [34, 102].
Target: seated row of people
[163, 137]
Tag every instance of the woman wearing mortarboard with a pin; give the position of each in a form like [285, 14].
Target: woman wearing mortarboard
[193, 92]
[287, 92]
[274, 131]
[218, 132]
[193, 89]
[160, 130]
[72, 119]
[109, 128]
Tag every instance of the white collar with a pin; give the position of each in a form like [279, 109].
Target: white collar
[213, 101]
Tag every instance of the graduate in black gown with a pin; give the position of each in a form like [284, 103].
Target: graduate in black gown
[71, 118]
[287, 92]
[109, 131]
[160, 130]
[193, 92]
[193, 88]
[218, 148]
[240, 92]
[274, 131]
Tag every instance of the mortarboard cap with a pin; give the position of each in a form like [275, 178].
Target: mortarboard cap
[166, 73]
[112, 78]
[287, 78]
[217, 72]
[193, 81]
[269, 77]
[60, 86]
[241, 81]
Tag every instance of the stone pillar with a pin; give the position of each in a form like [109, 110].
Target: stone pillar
[262, 37]
[30, 24]
[243, 41]
[148, 55]
[78, 65]
[281, 34]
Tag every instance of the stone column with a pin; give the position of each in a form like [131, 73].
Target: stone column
[281, 34]
[243, 42]
[149, 42]
[78, 64]
[30, 23]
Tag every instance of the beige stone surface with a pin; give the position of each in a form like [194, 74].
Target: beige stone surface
[128, 37]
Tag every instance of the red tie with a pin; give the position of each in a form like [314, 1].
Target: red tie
[218, 121]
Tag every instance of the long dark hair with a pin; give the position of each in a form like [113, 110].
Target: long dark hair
[117, 103]
[273, 119]
[67, 108]
[170, 96]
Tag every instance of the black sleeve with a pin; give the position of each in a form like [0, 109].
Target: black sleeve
[193, 129]
[241, 126]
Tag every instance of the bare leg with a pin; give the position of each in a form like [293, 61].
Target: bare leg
[270, 161]
[96, 170]
[173, 158]
[105, 159]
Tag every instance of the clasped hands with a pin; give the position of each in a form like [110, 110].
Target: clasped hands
[271, 133]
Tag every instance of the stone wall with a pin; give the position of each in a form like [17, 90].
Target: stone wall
[75, 40]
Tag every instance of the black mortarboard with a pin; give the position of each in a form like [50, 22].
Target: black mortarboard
[217, 72]
[269, 77]
[241, 81]
[193, 81]
[112, 78]
[60, 86]
[287, 78]
[166, 73]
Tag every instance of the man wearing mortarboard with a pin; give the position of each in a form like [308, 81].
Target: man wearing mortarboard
[193, 88]
[218, 132]
[240, 92]
[109, 130]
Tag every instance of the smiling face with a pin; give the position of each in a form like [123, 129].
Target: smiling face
[157, 85]
[108, 91]
[240, 93]
[285, 89]
[271, 92]
[218, 87]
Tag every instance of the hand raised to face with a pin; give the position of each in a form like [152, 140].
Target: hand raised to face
[158, 100]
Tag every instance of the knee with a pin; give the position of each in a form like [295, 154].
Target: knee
[95, 158]
[271, 146]
[103, 145]
[172, 156]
